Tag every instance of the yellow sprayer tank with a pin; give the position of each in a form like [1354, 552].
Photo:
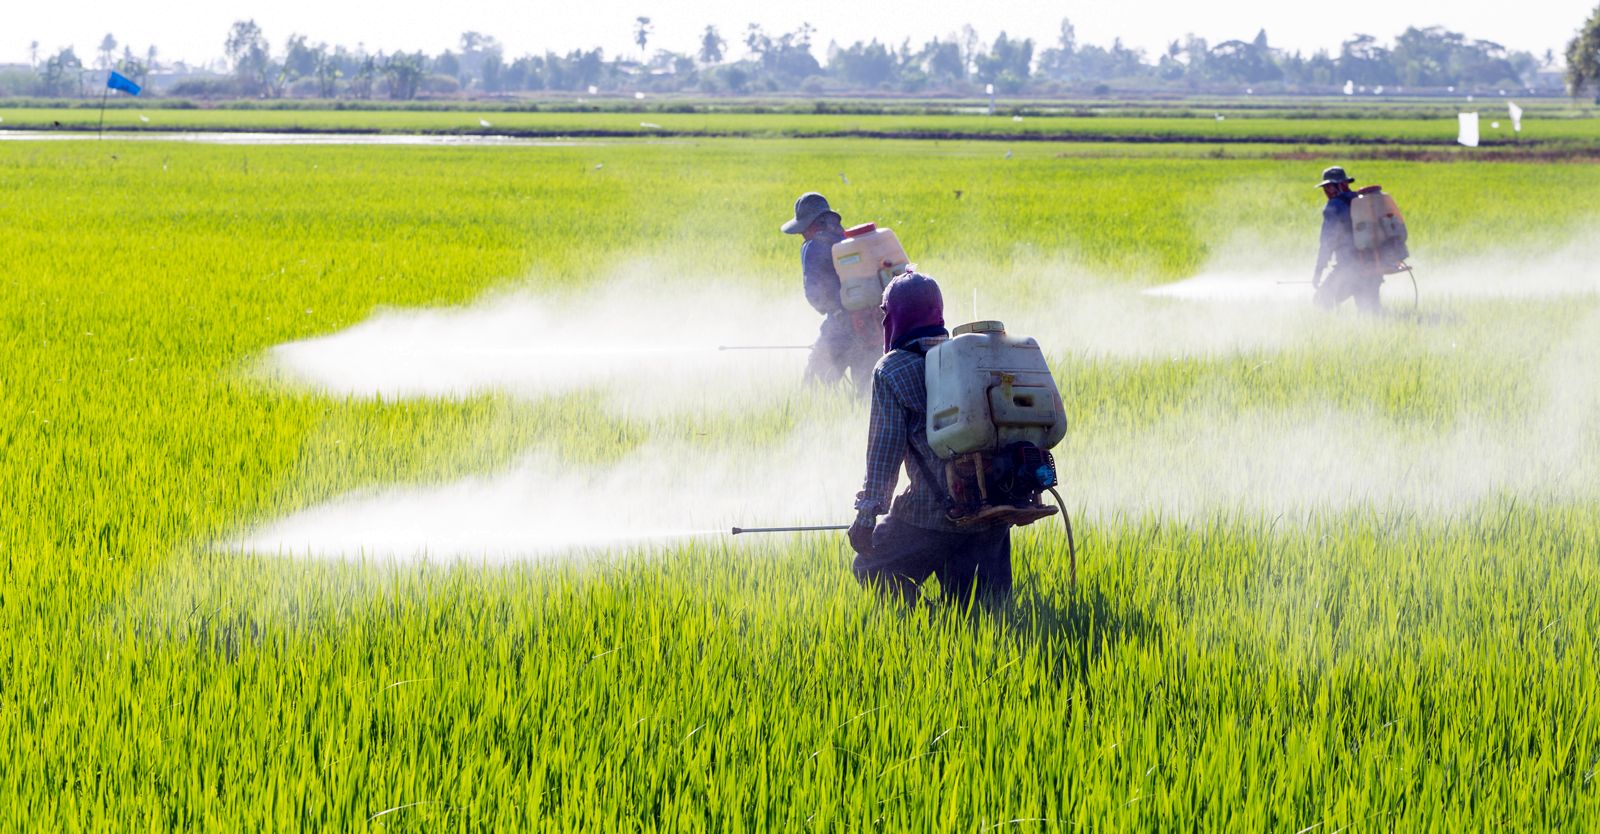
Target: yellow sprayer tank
[988, 389]
[867, 259]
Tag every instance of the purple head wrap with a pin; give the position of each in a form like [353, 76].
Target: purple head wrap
[913, 308]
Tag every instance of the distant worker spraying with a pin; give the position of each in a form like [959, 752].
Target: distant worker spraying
[849, 340]
[1364, 235]
[976, 466]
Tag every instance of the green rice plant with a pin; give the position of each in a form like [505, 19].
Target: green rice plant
[1361, 665]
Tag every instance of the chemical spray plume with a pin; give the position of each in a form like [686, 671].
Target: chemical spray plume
[1304, 459]
[1073, 313]
[1315, 458]
[649, 346]
[546, 507]
[1554, 272]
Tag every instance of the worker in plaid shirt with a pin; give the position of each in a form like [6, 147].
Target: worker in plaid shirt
[917, 539]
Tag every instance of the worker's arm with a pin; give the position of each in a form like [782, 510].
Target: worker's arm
[1336, 231]
[1329, 239]
[886, 447]
[821, 279]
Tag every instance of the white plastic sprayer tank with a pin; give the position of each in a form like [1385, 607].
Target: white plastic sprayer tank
[866, 260]
[1379, 229]
[1375, 219]
[987, 389]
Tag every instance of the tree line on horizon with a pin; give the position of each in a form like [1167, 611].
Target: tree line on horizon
[1419, 59]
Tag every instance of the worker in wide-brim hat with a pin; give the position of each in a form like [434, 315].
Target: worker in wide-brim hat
[918, 539]
[848, 341]
[1351, 276]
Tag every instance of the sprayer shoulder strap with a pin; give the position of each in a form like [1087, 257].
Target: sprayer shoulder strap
[933, 482]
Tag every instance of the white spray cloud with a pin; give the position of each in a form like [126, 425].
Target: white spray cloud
[650, 349]
[1071, 312]
[1305, 460]
[653, 350]
[1536, 273]
[665, 491]
[1116, 322]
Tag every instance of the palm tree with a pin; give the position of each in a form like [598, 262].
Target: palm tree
[711, 44]
[1583, 58]
[641, 34]
[108, 50]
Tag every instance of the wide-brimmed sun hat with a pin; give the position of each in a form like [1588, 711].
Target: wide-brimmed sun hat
[1335, 176]
[807, 209]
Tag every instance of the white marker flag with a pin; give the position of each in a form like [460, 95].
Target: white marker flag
[1469, 130]
[1516, 116]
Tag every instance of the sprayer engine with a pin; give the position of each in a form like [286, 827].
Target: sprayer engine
[1005, 486]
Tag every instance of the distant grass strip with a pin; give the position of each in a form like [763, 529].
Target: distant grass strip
[1239, 127]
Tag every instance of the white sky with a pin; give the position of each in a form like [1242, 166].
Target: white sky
[195, 30]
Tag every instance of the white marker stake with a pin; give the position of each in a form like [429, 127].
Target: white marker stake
[1469, 130]
[1516, 116]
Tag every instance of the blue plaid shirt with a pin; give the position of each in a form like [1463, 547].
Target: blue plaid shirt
[899, 426]
[1338, 236]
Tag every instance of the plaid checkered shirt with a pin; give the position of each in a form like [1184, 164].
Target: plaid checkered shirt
[899, 426]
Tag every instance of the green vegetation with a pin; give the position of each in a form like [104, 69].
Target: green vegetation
[1583, 58]
[1430, 58]
[1237, 125]
[1368, 666]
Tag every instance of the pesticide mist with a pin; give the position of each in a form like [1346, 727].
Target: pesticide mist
[544, 506]
[646, 349]
[1565, 271]
[653, 355]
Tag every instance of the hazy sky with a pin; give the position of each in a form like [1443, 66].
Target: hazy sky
[194, 31]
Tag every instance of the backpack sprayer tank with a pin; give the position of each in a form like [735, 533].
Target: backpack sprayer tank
[1379, 229]
[993, 415]
[867, 260]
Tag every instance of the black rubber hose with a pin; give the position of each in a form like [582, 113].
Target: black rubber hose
[1072, 547]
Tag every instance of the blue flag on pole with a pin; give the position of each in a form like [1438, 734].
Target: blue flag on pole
[118, 81]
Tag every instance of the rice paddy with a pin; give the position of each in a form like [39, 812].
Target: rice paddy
[1407, 123]
[1334, 575]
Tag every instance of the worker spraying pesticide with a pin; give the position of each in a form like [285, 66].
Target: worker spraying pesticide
[971, 418]
[851, 333]
[1364, 236]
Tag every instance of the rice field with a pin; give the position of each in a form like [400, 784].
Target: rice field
[1411, 647]
[1324, 123]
